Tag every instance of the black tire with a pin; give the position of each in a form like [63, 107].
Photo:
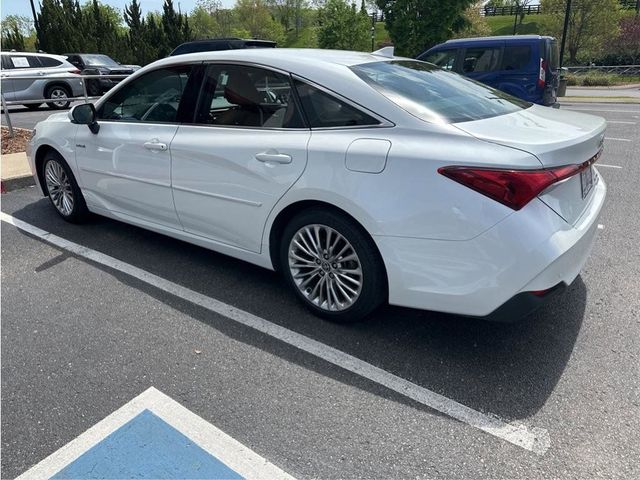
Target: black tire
[373, 278]
[79, 212]
[93, 88]
[59, 92]
[33, 106]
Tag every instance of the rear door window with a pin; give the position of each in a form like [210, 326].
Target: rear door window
[444, 59]
[481, 59]
[244, 96]
[516, 57]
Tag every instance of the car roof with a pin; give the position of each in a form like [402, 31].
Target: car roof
[35, 54]
[291, 59]
[498, 38]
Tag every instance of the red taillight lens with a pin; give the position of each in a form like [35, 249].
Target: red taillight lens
[513, 188]
[543, 73]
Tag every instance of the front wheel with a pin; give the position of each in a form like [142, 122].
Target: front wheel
[332, 265]
[59, 97]
[63, 190]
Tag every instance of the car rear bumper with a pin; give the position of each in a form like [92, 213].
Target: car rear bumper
[533, 249]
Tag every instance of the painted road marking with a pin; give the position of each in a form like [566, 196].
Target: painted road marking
[530, 438]
[617, 139]
[601, 110]
[621, 121]
[236, 459]
[608, 166]
[600, 226]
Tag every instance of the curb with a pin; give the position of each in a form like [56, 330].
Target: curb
[16, 183]
[618, 100]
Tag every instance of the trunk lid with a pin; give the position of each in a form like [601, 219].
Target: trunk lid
[556, 138]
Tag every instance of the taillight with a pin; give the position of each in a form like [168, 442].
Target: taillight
[513, 188]
[75, 71]
[543, 73]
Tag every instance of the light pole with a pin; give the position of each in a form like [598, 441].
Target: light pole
[373, 30]
[564, 31]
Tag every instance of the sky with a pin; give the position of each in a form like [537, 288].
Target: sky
[22, 7]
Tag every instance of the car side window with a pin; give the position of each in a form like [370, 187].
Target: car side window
[49, 62]
[324, 110]
[481, 59]
[445, 59]
[153, 97]
[516, 57]
[18, 61]
[242, 96]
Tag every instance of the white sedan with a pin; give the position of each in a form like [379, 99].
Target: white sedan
[363, 178]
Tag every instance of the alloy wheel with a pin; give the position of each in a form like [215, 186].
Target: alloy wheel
[59, 97]
[325, 267]
[59, 187]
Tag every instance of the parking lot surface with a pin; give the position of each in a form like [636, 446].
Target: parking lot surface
[81, 338]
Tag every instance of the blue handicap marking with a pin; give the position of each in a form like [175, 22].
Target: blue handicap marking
[147, 447]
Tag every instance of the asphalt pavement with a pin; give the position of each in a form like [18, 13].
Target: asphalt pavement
[80, 339]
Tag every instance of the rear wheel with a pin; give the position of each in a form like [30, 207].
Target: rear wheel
[332, 265]
[59, 95]
[63, 190]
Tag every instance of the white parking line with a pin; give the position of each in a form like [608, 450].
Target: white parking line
[533, 439]
[208, 437]
[608, 166]
[601, 110]
[617, 139]
[621, 121]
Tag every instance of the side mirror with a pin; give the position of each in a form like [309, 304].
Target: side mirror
[85, 114]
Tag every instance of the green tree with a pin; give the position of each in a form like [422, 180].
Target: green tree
[477, 26]
[253, 17]
[342, 27]
[415, 25]
[17, 33]
[12, 39]
[203, 24]
[175, 26]
[592, 23]
[141, 51]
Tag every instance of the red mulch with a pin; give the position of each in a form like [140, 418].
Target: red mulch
[16, 144]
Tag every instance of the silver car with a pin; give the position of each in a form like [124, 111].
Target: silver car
[60, 80]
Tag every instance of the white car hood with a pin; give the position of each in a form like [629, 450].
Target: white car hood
[555, 137]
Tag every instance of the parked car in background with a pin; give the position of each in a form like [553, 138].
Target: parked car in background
[214, 44]
[525, 66]
[363, 178]
[98, 64]
[16, 65]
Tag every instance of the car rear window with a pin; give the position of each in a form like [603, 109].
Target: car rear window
[435, 95]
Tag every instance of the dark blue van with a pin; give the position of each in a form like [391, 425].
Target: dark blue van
[525, 66]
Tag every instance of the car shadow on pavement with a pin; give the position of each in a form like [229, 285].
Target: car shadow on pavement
[509, 370]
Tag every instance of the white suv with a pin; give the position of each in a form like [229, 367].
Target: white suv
[16, 65]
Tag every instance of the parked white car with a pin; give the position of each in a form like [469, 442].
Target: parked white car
[364, 178]
[17, 65]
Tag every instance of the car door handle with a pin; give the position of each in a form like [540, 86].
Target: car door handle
[155, 146]
[271, 156]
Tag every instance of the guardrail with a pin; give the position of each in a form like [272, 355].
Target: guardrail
[617, 69]
[82, 78]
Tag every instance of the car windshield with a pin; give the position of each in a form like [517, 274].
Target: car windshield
[435, 95]
[97, 60]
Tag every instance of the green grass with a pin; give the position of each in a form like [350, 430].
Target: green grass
[503, 25]
[601, 80]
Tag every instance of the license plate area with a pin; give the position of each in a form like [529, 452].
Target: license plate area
[586, 181]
